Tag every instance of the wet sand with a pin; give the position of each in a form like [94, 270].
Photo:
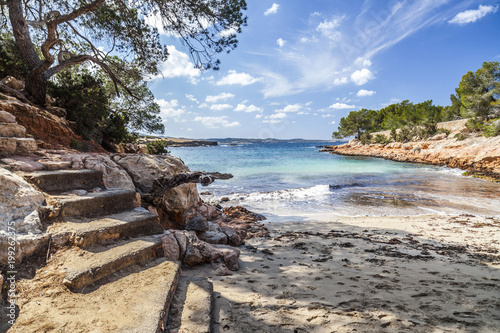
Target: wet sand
[365, 274]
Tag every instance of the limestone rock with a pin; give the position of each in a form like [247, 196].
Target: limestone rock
[22, 164]
[18, 213]
[12, 130]
[440, 136]
[25, 145]
[233, 238]
[8, 146]
[112, 174]
[182, 241]
[170, 246]
[146, 169]
[6, 117]
[13, 83]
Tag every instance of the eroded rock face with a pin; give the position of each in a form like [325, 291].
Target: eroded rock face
[19, 219]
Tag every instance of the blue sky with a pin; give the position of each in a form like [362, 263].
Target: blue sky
[301, 65]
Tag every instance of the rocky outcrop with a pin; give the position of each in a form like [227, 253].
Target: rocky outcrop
[45, 124]
[13, 138]
[478, 155]
[21, 232]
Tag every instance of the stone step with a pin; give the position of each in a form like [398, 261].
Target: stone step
[85, 267]
[87, 232]
[134, 303]
[65, 180]
[93, 204]
[17, 146]
[191, 309]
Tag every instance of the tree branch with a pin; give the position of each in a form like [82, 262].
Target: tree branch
[13, 92]
[167, 182]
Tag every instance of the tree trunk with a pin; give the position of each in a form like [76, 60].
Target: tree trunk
[36, 87]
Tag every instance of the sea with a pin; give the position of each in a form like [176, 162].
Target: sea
[294, 181]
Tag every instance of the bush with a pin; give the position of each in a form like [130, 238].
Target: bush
[366, 138]
[157, 147]
[491, 128]
[380, 138]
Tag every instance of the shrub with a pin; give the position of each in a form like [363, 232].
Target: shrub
[380, 138]
[157, 147]
[366, 138]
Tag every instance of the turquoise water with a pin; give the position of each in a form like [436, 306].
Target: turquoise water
[295, 181]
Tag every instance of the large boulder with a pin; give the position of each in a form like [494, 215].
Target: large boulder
[20, 224]
[177, 206]
[112, 174]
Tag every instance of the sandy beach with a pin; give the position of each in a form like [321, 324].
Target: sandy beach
[365, 274]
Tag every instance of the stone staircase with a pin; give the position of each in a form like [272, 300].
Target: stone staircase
[13, 140]
[111, 251]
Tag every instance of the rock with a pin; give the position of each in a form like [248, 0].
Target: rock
[146, 169]
[208, 211]
[177, 206]
[13, 83]
[8, 146]
[233, 238]
[222, 270]
[55, 165]
[12, 130]
[182, 241]
[19, 163]
[440, 136]
[213, 237]
[6, 117]
[407, 146]
[18, 213]
[113, 175]
[26, 145]
[242, 213]
[197, 223]
[198, 252]
[1, 281]
[224, 199]
[231, 256]
[170, 246]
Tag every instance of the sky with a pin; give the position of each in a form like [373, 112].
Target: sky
[302, 65]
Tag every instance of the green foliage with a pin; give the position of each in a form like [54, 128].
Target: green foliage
[479, 92]
[157, 147]
[354, 124]
[365, 138]
[98, 113]
[380, 138]
[10, 57]
[89, 31]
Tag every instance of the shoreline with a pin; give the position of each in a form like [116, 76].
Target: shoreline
[478, 156]
[371, 274]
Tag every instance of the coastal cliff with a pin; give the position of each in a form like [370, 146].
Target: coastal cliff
[477, 155]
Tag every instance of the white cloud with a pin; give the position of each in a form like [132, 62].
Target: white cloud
[340, 81]
[273, 10]
[363, 93]
[170, 110]
[177, 65]
[228, 32]
[218, 98]
[291, 108]
[329, 28]
[362, 76]
[220, 107]
[192, 98]
[473, 15]
[341, 106]
[247, 108]
[280, 42]
[333, 122]
[234, 77]
[217, 122]
[258, 116]
[280, 115]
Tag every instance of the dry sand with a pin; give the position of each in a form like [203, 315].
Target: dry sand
[365, 274]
